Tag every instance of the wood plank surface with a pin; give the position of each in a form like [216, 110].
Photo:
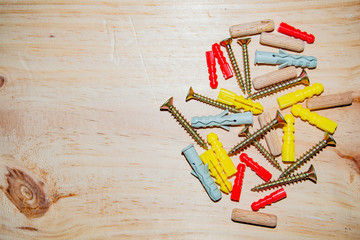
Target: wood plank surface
[84, 144]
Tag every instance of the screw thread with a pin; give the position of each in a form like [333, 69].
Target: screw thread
[235, 67]
[185, 124]
[281, 181]
[215, 103]
[246, 68]
[252, 137]
[304, 158]
[267, 155]
[274, 88]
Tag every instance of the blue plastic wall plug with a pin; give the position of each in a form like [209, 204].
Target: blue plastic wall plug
[201, 171]
[223, 120]
[285, 59]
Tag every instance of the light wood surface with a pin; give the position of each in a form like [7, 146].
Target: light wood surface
[84, 144]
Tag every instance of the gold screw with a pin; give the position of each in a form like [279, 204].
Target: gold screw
[245, 132]
[279, 119]
[302, 79]
[309, 174]
[328, 140]
[227, 44]
[168, 105]
[192, 95]
[244, 43]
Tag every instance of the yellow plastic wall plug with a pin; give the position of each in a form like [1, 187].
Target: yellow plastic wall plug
[221, 154]
[288, 147]
[216, 171]
[230, 98]
[300, 95]
[313, 118]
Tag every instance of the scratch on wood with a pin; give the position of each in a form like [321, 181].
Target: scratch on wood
[142, 58]
[25, 65]
[110, 30]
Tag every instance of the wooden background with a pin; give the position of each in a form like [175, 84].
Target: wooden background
[80, 116]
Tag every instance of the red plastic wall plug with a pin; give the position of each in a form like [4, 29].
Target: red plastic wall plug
[296, 33]
[210, 59]
[259, 170]
[224, 66]
[236, 190]
[269, 199]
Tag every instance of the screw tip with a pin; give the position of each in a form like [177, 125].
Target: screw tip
[282, 175]
[278, 167]
[231, 153]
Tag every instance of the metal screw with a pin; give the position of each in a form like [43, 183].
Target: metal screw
[245, 132]
[192, 95]
[279, 119]
[244, 43]
[309, 174]
[328, 140]
[227, 44]
[302, 79]
[168, 105]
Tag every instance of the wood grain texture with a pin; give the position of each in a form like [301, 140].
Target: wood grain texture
[329, 101]
[80, 116]
[251, 28]
[282, 41]
[252, 217]
[274, 77]
[271, 138]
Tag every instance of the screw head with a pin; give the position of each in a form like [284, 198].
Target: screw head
[304, 78]
[280, 119]
[226, 42]
[190, 94]
[167, 104]
[312, 174]
[329, 139]
[244, 132]
[244, 41]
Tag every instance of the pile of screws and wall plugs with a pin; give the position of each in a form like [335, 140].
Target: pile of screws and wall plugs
[239, 106]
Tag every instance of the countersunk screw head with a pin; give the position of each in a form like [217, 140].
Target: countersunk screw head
[304, 78]
[244, 41]
[244, 132]
[280, 119]
[329, 139]
[226, 42]
[312, 174]
[167, 104]
[190, 94]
